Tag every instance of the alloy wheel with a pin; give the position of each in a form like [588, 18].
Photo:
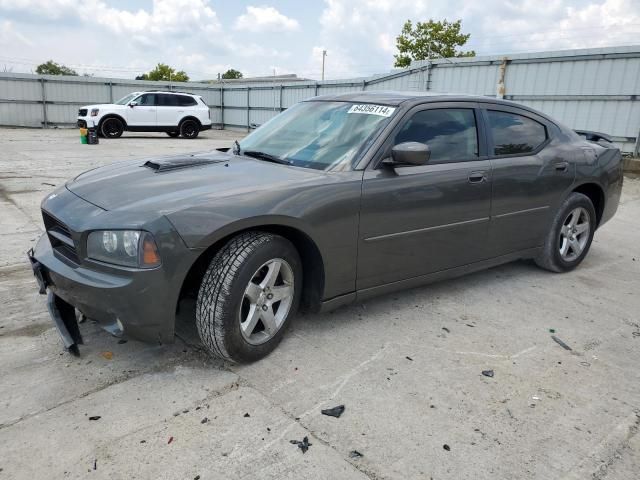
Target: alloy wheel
[574, 234]
[266, 301]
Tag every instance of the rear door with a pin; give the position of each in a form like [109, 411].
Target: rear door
[417, 220]
[531, 172]
[143, 114]
[167, 110]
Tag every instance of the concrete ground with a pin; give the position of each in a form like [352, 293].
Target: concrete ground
[406, 366]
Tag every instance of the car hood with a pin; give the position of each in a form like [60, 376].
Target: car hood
[111, 106]
[169, 184]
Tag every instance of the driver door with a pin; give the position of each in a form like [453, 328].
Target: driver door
[417, 220]
[144, 113]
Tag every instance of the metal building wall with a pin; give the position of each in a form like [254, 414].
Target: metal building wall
[589, 89]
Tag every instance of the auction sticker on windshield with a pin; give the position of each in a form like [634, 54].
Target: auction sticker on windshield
[381, 110]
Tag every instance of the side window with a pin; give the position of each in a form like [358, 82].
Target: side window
[165, 100]
[148, 100]
[185, 101]
[451, 133]
[514, 133]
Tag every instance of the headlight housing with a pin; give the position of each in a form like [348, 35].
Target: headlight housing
[94, 112]
[127, 248]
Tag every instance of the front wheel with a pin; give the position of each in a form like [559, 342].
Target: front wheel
[248, 295]
[569, 239]
[112, 128]
[189, 129]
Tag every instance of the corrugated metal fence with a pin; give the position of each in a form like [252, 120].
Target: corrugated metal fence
[589, 89]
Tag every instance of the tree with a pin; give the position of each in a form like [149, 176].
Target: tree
[231, 74]
[164, 72]
[430, 40]
[53, 68]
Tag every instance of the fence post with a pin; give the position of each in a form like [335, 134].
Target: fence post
[45, 122]
[364, 85]
[248, 116]
[221, 107]
[636, 149]
[280, 107]
[110, 92]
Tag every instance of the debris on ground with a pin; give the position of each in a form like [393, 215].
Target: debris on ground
[469, 325]
[122, 341]
[488, 373]
[197, 477]
[95, 417]
[409, 358]
[107, 355]
[302, 445]
[446, 447]
[95, 464]
[446, 329]
[355, 454]
[170, 440]
[246, 415]
[560, 342]
[333, 412]
[204, 420]
[552, 330]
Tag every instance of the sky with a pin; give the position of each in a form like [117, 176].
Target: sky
[118, 38]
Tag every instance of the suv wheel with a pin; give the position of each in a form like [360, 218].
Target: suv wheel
[112, 128]
[173, 134]
[248, 295]
[570, 237]
[189, 129]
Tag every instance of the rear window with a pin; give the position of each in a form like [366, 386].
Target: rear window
[515, 134]
[165, 100]
[185, 101]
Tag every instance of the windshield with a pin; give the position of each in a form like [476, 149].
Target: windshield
[320, 135]
[127, 99]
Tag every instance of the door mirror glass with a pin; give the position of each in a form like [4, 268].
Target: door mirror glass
[410, 153]
[133, 104]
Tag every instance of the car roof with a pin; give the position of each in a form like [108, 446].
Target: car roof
[396, 98]
[169, 92]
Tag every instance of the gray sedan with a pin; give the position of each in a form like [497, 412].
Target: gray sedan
[337, 199]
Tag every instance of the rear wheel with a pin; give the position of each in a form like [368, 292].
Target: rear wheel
[248, 295]
[189, 129]
[173, 134]
[570, 237]
[112, 128]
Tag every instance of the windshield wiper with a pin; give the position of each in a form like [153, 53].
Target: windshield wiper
[266, 156]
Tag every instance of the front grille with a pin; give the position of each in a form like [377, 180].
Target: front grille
[82, 112]
[60, 237]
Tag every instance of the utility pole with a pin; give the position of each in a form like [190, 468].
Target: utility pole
[324, 54]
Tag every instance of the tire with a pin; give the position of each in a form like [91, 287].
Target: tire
[112, 127]
[189, 129]
[173, 134]
[238, 273]
[568, 235]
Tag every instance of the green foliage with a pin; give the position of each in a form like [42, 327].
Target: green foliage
[165, 73]
[53, 68]
[231, 74]
[430, 40]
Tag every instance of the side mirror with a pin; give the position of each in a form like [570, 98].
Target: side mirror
[133, 104]
[410, 153]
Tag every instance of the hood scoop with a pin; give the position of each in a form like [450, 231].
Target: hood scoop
[177, 163]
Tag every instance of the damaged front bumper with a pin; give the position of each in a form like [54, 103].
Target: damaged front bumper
[136, 304]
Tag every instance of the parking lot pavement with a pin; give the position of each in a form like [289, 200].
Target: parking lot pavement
[407, 366]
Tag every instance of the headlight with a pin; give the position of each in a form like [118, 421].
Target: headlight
[94, 112]
[129, 248]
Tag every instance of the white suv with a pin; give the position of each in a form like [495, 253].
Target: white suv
[175, 113]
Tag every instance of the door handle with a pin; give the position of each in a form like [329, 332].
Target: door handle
[561, 166]
[477, 177]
